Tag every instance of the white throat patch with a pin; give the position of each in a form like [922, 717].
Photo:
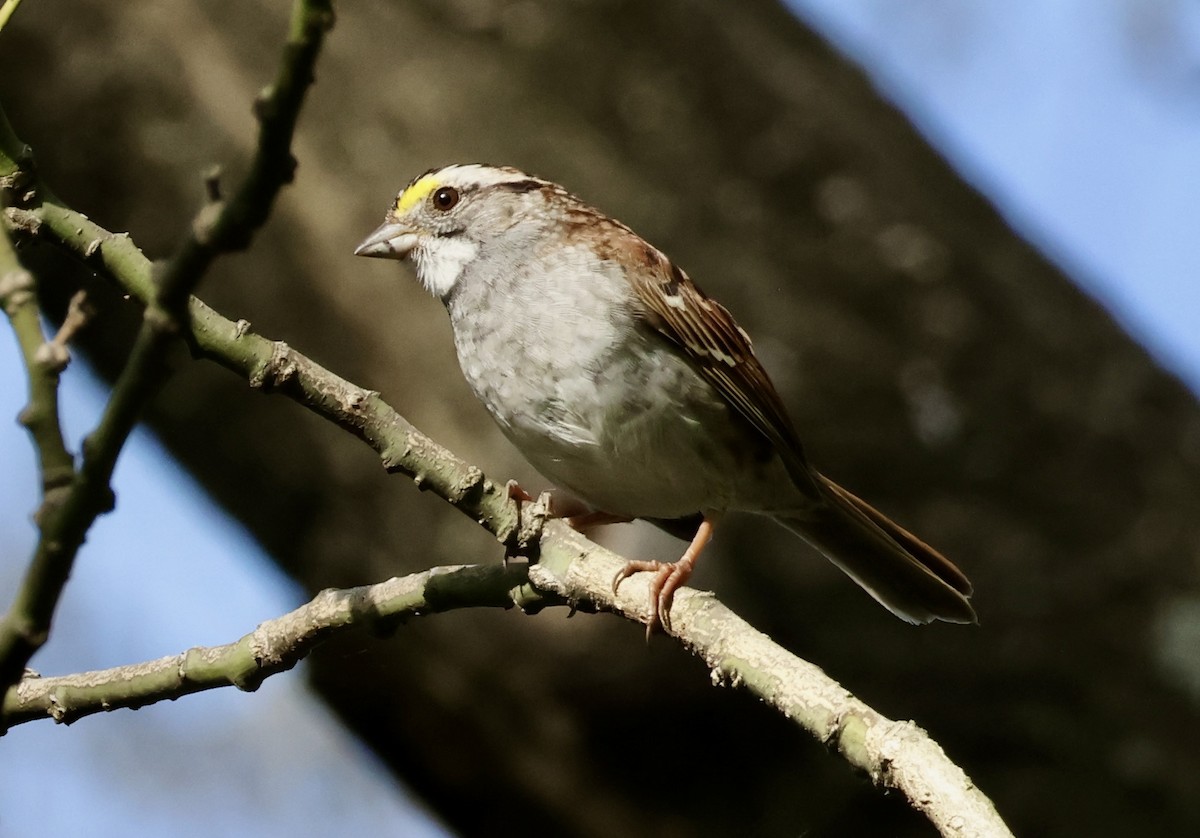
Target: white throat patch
[440, 262]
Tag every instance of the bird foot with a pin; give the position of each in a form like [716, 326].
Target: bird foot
[668, 577]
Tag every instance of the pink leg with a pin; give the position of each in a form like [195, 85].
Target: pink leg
[669, 576]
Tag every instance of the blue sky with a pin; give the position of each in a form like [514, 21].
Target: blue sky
[1081, 120]
[168, 571]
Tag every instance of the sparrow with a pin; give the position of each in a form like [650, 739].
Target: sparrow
[625, 384]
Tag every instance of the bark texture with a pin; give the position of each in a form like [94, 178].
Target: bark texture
[934, 362]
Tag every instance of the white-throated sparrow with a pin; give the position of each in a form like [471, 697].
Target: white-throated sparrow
[618, 379]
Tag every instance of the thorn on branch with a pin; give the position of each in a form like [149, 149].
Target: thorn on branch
[52, 357]
[56, 711]
[79, 313]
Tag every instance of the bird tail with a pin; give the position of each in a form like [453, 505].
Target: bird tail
[904, 574]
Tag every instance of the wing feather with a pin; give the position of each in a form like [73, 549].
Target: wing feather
[720, 349]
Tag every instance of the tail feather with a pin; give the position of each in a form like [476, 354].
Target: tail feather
[942, 567]
[904, 574]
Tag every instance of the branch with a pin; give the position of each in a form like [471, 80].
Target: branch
[895, 755]
[218, 228]
[223, 227]
[273, 366]
[571, 569]
[275, 646]
[6, 11]
[18, 297]
[21, 627]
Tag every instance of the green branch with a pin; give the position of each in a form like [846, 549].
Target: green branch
[18, 297]
[275, 646]
[571, 569]
[228, 226]
[220, 227]
[273, 366]
[56, 466]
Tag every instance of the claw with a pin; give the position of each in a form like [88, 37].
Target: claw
[668, 576]
[514, 491]
[519, 497]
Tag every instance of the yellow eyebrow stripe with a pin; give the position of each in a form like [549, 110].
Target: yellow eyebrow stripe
[416, 193]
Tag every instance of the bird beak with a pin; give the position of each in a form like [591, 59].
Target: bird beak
[389, 241]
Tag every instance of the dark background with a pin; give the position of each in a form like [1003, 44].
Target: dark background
[933, 361]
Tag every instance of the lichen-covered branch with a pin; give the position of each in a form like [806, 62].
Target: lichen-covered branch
[571, 569]
[219, 227]
[275, 646]
[896, 755]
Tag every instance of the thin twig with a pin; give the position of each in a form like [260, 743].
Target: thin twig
[56, 466]
[18, 297]
[55, 353]
[218, 228]
[273, 366]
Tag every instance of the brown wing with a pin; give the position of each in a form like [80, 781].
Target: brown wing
[710, 336]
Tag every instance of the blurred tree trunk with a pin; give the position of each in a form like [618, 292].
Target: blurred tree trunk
[934, 362]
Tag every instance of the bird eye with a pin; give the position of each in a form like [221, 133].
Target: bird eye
[445, 198]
